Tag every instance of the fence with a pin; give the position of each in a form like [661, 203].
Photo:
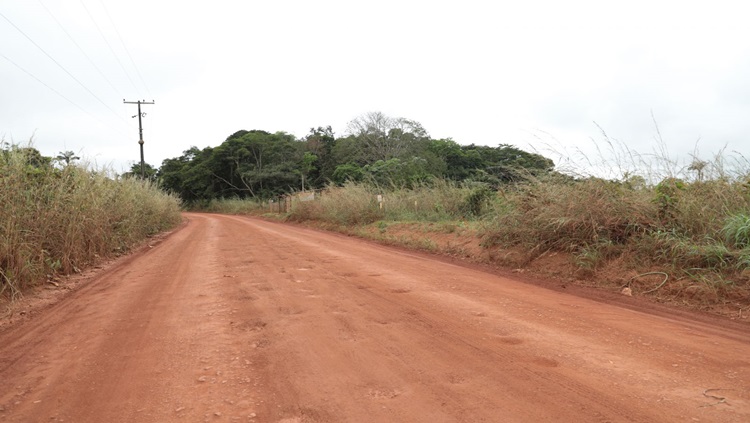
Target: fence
[283, 203]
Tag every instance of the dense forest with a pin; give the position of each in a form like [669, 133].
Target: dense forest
[376, 148]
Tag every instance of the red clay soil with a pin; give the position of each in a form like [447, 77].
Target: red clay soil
[234, 319]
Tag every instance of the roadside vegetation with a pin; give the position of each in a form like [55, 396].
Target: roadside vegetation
[682, 240]
[640, 223]
[58, 217]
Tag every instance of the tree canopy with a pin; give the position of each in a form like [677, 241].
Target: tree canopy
[375, 148]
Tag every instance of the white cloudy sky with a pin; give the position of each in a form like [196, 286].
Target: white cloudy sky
[536, 73]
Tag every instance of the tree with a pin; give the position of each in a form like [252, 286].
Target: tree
[399, 173]
[135, 172]
[29, 156]
[188, 176]
[321, 142]
[66, 157]
[254, 164]
[460, 163]
[348, 172]
[383, 138]
[504, 163]
[308, 160]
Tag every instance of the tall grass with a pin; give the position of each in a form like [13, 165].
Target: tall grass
[357, 204]
[682, 220]
[235, 206]
[563, 214]
[352, 204]
[60, 220]
[653, 209]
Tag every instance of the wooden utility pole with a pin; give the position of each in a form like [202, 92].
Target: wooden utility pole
[140, 130]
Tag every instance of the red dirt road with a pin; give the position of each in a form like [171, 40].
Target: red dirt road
[232, 319]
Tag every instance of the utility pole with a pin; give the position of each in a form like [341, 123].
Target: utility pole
[140, 130]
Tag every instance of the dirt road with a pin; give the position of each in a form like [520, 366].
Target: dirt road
[232, 319]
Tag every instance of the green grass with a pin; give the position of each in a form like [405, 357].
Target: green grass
[736, 230]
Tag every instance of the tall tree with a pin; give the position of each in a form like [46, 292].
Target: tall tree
[256, 164]
[382, 137]
[321, 142]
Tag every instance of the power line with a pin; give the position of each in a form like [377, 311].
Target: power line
[137, 71]
[63, 68]
[57, 92]
[80, 48]
[109, 46]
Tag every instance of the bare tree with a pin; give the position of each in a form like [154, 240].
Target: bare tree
[383, 137]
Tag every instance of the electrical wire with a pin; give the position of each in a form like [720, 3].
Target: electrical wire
[137, 71]
[119, 94]
[110, 48]
[64, 70]
[59, 94]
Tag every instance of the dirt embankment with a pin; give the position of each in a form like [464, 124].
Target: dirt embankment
[727, 298]
[236, 319]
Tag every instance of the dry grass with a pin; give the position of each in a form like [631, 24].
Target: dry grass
[61, 220]
[353, 204]
[356, 204]
[235, 206]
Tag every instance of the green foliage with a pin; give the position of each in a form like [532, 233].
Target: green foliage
[736, 230]
[591, 256]
[321, 143]
[398, 173]
[135, 172]
[66, 157]
[667, 197]
[478, 200]
[249, 164]
[492, 165]
[308, 160]
[382, 150]
[349, 172]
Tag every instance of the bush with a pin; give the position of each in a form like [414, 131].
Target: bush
[478, 200]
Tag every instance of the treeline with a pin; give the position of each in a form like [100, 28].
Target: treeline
[387, 151]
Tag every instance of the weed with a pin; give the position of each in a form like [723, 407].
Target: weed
[736, 230]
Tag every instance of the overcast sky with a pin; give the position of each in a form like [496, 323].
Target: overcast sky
[536, 74]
